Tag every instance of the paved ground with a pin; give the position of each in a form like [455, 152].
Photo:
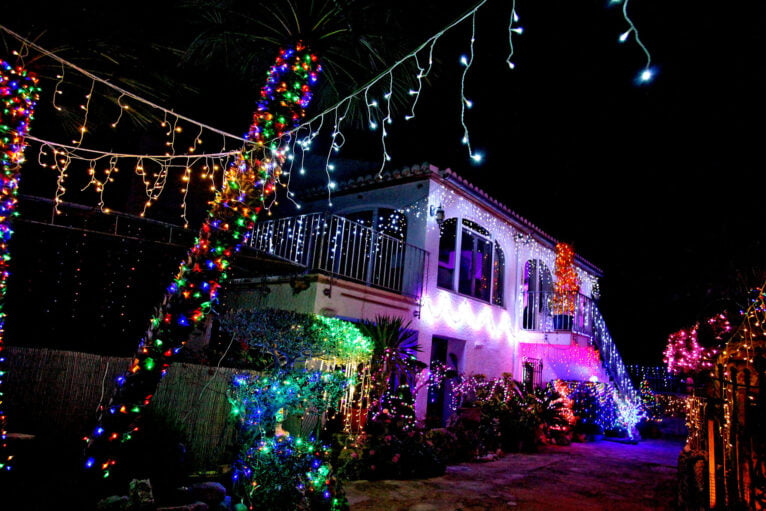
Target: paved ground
[598, 476]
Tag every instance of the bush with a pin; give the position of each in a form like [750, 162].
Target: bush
[385, 451]
[288, 472]
[464, 425]
[447, 446]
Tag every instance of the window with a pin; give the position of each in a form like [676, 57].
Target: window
[447, 242]
[470, 261]
[538, 291]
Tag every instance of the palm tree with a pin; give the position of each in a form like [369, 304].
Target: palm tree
[394, 366]
[354, 39]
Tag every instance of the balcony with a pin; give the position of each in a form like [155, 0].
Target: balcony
[538, 314]
[337, 246]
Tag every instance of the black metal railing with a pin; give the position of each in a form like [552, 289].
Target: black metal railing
[539, 314]
[341, 247]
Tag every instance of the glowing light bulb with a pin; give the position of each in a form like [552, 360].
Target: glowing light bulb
[645, 76]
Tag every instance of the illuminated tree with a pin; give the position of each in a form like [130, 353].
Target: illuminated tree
[290, 468]
[567, 284]
[249, 186]
[18, 96]
[394, 368]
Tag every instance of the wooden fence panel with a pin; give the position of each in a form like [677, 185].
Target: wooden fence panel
[55, 394]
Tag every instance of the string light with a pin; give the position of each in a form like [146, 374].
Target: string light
[613, 363]
[648, 73]
[565, 361]
[307, 126]
[512, 30]
[566, 287]
[465, 103]
[19, 94]
[123, 93]
[458, 312]
[249, 181]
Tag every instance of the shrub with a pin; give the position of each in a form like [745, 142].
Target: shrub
[285, 472]
[385, 451]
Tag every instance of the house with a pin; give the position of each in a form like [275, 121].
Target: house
[477, 281]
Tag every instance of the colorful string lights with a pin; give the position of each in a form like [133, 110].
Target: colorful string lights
[19, 93]
[62, 157]
[249, 182]
[566, 286]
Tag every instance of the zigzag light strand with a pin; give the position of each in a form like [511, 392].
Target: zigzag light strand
[18, 95]
[193, 293]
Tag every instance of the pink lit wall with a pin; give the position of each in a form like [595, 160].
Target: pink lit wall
[566, 362]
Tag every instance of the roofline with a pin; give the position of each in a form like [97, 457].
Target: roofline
[449, 177]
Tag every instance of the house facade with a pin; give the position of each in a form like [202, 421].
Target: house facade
[475, 280]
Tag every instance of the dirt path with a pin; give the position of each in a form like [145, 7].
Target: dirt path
[599, 476]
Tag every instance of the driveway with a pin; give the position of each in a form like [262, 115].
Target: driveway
[600, 476]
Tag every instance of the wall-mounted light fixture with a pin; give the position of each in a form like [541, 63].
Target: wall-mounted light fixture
[438, 213]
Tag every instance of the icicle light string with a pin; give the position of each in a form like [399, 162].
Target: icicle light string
[386, 120]
[335, 147]
[464, 101]
[511, 31]
[647, 74]
[123, 92]
[364, 91]
[388, 72]
[60, 157]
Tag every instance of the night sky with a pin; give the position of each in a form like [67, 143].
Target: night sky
[660, 185]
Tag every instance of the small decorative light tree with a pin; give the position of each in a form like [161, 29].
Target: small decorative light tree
[685, 355]
[394, 369]
[565, 288]
[314, 359]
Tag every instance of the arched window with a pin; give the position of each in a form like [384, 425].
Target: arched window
[470, 262]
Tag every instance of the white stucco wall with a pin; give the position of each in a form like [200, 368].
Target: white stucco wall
[488, 338]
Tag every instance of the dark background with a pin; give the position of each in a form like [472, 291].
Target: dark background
[660, 185]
